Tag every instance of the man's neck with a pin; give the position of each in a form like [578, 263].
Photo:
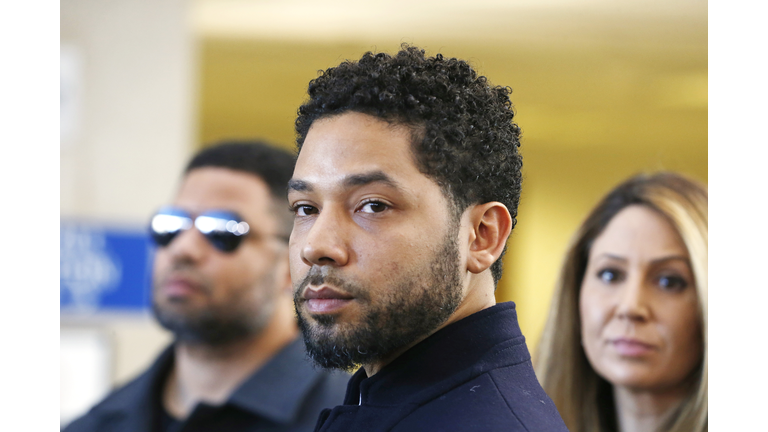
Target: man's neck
[210, 374]
[478, 298]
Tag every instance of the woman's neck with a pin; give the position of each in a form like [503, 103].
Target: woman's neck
[643, 410]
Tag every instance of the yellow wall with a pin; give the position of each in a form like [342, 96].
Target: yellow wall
[596, 105]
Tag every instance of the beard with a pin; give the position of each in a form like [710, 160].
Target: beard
[417, 303]
[237, 319]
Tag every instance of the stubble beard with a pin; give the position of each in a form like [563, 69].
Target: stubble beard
[423, 300]
[215, 325]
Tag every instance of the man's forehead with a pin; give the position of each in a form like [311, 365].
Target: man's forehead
[221, 188]
[352, 147]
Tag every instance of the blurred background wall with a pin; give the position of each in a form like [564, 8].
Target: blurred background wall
[602, 90]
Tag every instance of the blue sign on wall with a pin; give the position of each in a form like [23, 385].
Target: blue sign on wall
[104, 269]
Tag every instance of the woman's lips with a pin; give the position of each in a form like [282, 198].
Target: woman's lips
[632, 347]
[325, 300]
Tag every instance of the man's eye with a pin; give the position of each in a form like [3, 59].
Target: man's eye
[304, 210]
[609, 275]
[672, 282]
[373, 207]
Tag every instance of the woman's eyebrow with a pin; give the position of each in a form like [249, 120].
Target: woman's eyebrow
[612, 256]
[671, 258]
[653, 261]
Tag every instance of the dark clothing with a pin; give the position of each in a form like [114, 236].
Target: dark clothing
[286, 394]
[472, 375]
[168, 423]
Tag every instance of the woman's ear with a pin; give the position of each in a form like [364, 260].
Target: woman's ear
[491, 225]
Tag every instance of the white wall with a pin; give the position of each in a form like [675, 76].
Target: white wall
[127, 134]
[137, 106]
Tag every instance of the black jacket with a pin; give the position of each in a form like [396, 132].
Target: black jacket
[472, 375]
[286, 394]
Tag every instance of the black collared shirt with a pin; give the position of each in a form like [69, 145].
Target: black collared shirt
[286, 394]
[472, 375]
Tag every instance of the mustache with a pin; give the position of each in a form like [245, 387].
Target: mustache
[327, 276]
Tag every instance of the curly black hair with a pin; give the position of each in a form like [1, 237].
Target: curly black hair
[465, 138]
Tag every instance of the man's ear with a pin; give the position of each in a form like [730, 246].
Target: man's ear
[491, 225]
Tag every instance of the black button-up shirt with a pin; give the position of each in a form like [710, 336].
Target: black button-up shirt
[472, 375]
[286, 394]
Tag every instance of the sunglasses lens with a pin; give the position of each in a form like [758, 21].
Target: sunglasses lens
[165, 226]
[163, 239]
[225, 242]
[223, 229]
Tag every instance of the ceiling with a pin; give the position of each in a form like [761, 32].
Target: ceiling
[483, 20]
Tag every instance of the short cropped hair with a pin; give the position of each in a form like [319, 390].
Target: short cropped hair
[271, 164]
[464, 137]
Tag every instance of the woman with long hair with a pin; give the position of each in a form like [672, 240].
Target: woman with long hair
[625, 344]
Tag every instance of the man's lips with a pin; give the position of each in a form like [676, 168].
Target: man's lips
[630, 347]
[180, 287]
[325, 300]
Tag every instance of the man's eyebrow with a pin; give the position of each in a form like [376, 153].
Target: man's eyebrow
[349, 181]
[299, 186]
[355, 180]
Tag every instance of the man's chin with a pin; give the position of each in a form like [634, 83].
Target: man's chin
[340, 345]
[330, 351]
[324, 321]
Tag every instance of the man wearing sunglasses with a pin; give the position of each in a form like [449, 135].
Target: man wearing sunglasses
[221, 285]
[405, 191]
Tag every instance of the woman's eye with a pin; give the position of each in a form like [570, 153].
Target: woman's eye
[609, 275]
[373, 207]
[672, 282]
[304, 210]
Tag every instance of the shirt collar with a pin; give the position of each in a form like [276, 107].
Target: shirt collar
[136, 402]
[278, 389]
[466, 348]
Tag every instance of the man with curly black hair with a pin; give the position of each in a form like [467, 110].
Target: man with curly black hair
[405, 191]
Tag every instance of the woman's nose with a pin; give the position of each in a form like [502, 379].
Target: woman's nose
[633, 302]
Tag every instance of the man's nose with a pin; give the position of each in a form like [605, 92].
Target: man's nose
[189, 245]
[326, 240]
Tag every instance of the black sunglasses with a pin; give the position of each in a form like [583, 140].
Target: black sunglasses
[224, 229]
